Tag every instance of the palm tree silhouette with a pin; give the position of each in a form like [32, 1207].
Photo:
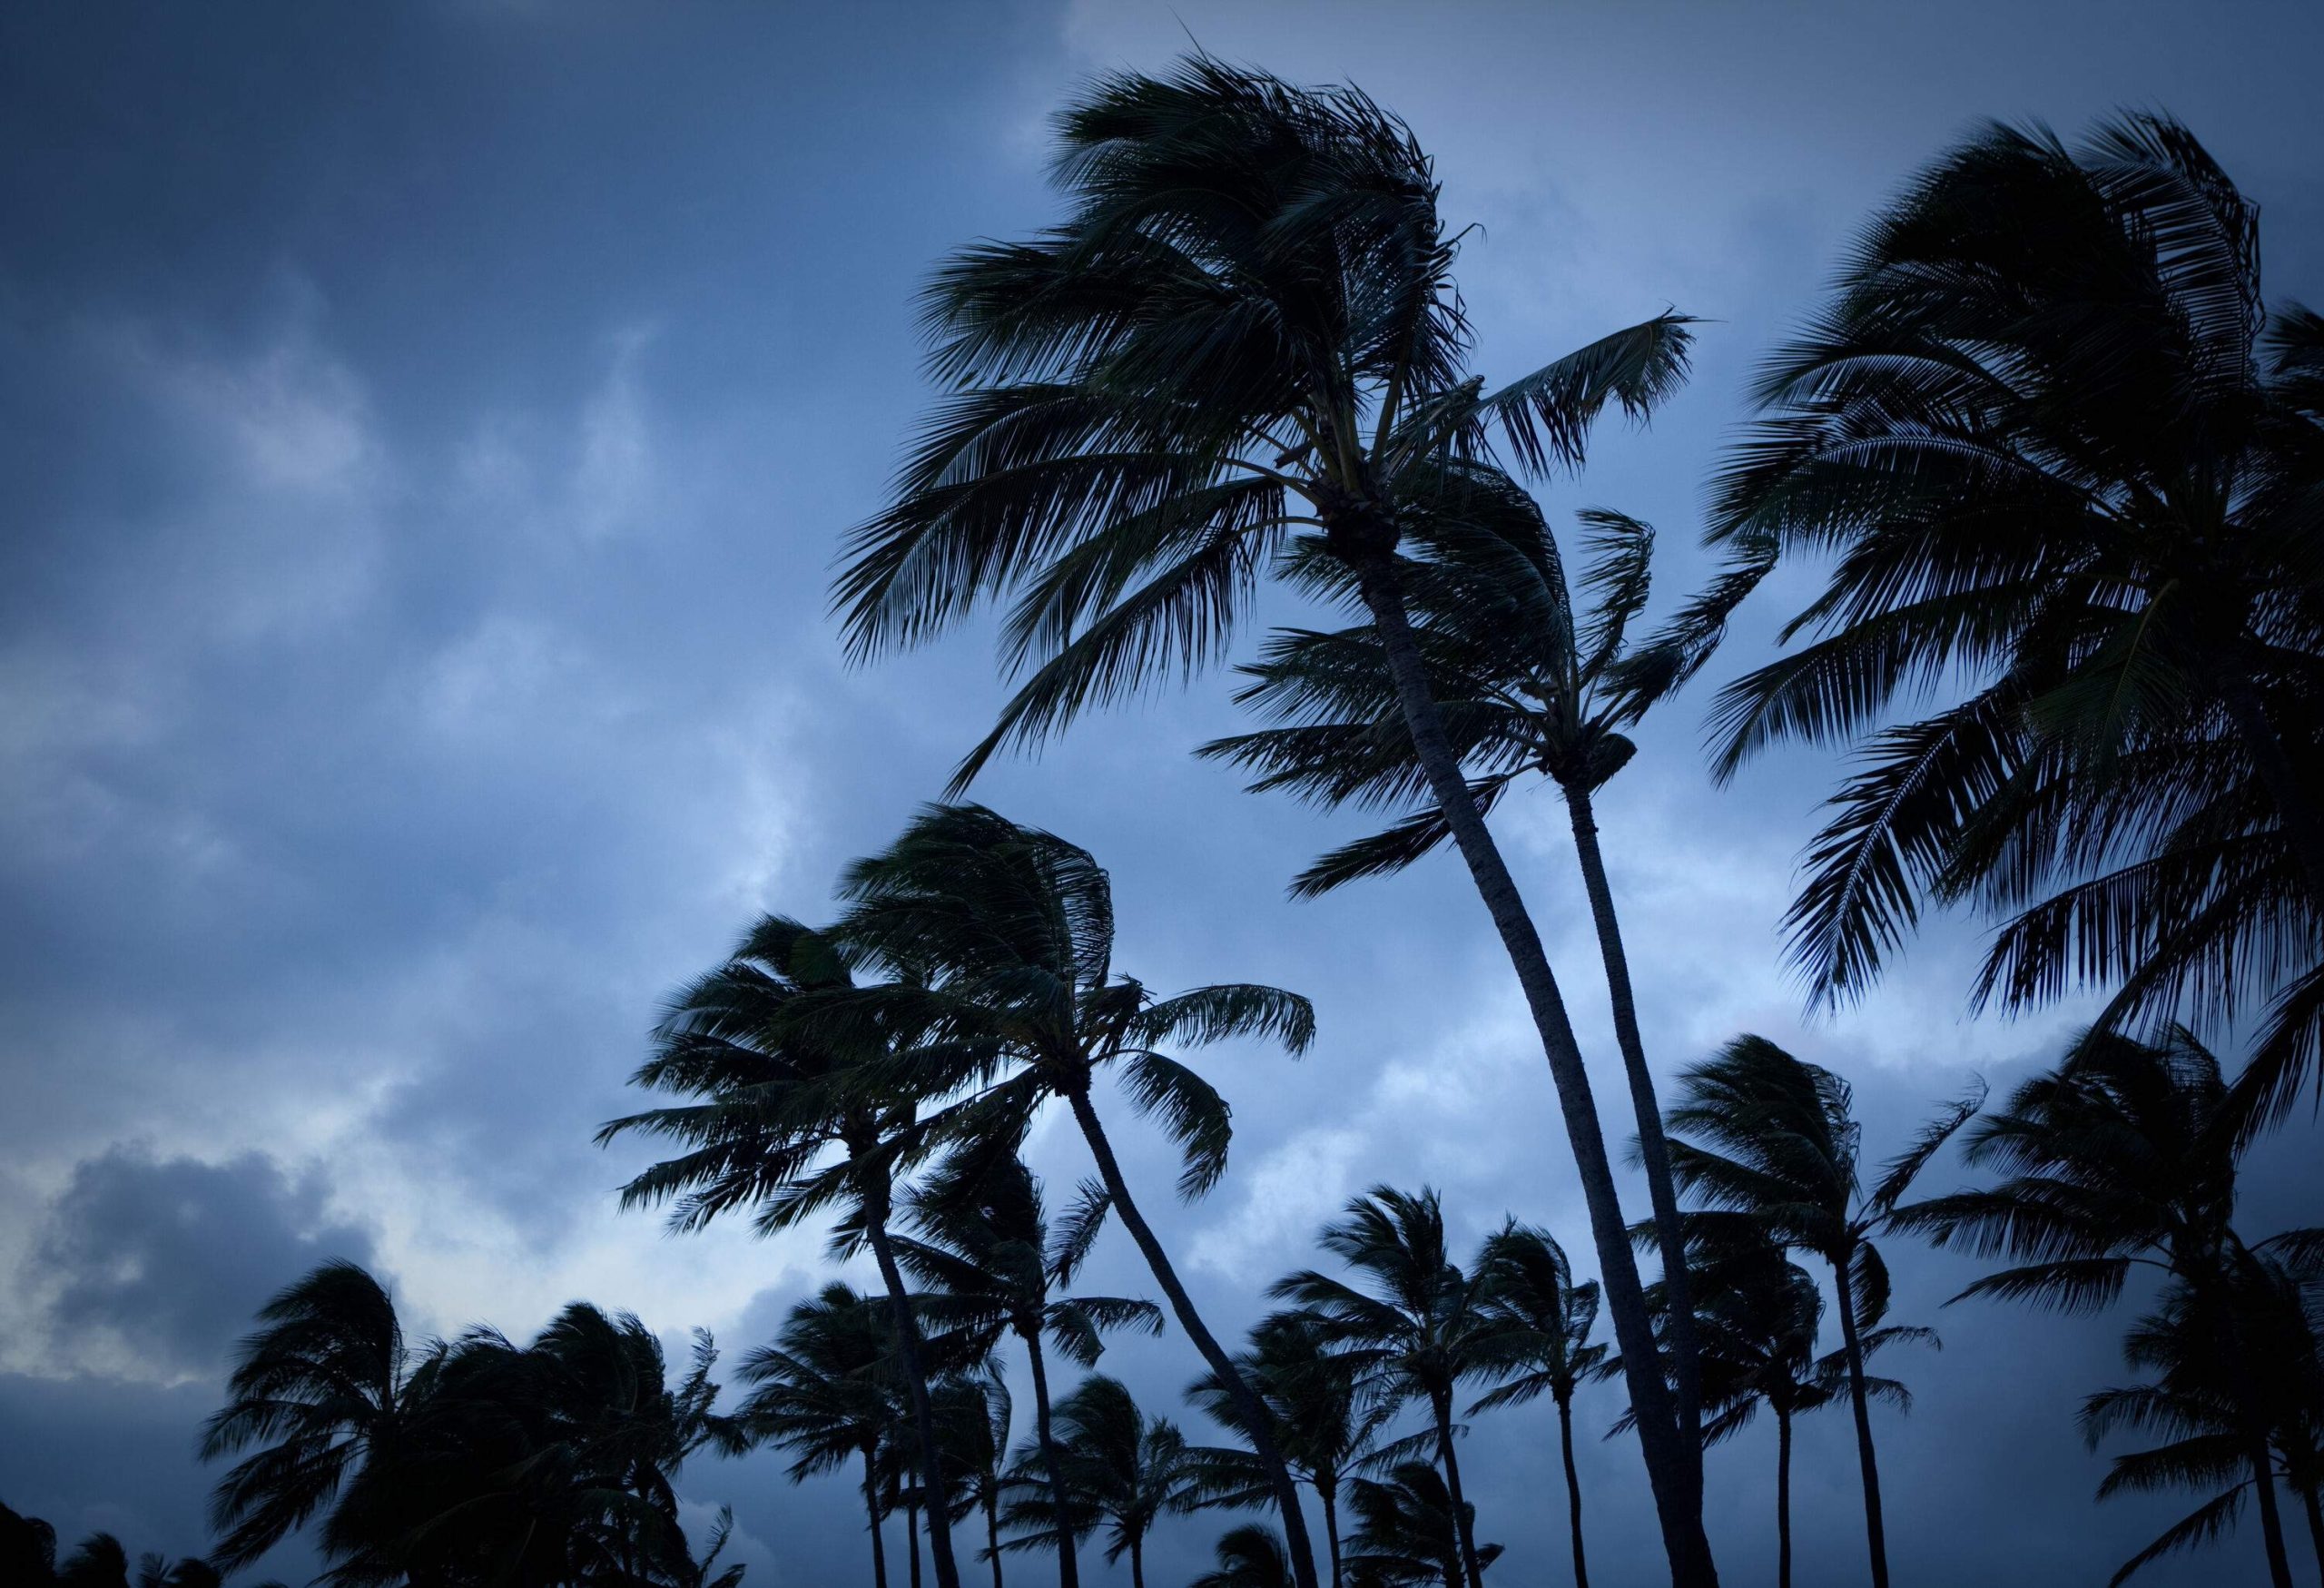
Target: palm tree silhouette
[2186, 1345]
[1411, 1530]
[793, 1117]
[1241, 351]
[1543, 1346]
[973, 1413]
[1424, 1327]
[990, 1260]
[1123, 1470]
[1328, 1418]
[2122, 1159]
[1775, 1139]
[827, 1392]
[1004, 938]
[2045, 440]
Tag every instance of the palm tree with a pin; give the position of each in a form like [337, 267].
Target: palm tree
[974, 1413]
[1545, 1321]
[1248, 1557]
[325, 1386]
[792, 1117]
[1422, 1330]
[2122, 1159]
[1411, 1530]
[990, 1260]
[1123, 1471]
[1004, 937]
[1527, 683]
[1242, 350]
[2185, 1344]
[1327, 1419]
[1775, 1138]
[2047, 443]
[826, 1393]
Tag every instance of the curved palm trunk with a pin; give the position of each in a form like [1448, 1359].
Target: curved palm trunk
[1068, 1570]
[871, 1505]
[1258, 1426]
[1876, 1531]
[2295, 802]
[923, 1415]
[2271, 1521]
[1653, 1148]
[1573, 1489]
[1783, 1499]
[1463, 1526]
[1675, 1481]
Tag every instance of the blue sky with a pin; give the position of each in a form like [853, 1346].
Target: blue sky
[427, 430]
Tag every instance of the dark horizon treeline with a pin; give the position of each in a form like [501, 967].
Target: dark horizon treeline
[2060, 470]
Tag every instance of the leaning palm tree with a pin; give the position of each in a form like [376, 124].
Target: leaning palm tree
[1411, 1532]
[2210, 1440]
[1241, 351]
[1003, 939]
[2123, 1158]
[1124, 1471]
[1759, 1132]
[2062, 471]
[1545, 1319]
[825, 1393]
[1528, 683]
[992, 1266]
[1422, 1329]
[323, 1387]
[788, 1121]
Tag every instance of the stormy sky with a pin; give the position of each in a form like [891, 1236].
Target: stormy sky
[426, 431]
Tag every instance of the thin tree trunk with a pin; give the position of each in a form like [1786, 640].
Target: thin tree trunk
[2294, 803]
[1653, 1148]
[1463, 1526]
[1329, 1494]
[1783, 1500]
[923, 1415]
[2271, 1521]
[871, 1505]
[1876, 1531]
[992, 1536]
[1573, 1489]
[1068, 1570]
[911, 1535]
[1138, 1562]
[1258, 1426]
[1674, 1480]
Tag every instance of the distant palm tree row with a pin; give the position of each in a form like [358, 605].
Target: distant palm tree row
[2062, 470]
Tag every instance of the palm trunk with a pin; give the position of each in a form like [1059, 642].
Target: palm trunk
[992, 1535]
[1258, 1426]
[1328, 1492]
[1653, 1148]
[923, 1415]
[1677, 1497]
[1783, 1499]
[2295, 803]
[1463, 1526]
[911, 1536]
[2315, 1524]
[2271, 1521]
[871, 1505]
[1138, 1562]
[1573, 1489]
[1068, 1570]
[1875, 1530]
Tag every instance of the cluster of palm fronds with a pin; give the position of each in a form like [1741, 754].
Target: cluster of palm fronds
[2067, 472]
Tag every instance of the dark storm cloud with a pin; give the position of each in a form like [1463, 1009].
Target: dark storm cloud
[427, 427]
[171, 1257]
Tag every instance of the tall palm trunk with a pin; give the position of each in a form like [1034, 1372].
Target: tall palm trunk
[871, 1505]
[1677, 1496]
[1783, 1499]
[1258, 1426]
[1875, 1530]
[1068, 1570]
[911, 1536]
[2314, 1524]
[1137, 1562]
[992, 1535]
[1573, 1488]
[2271, 1521]
[1327, 1490]
[1653, 1147]
[923, 1415]
[1463, 1527]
